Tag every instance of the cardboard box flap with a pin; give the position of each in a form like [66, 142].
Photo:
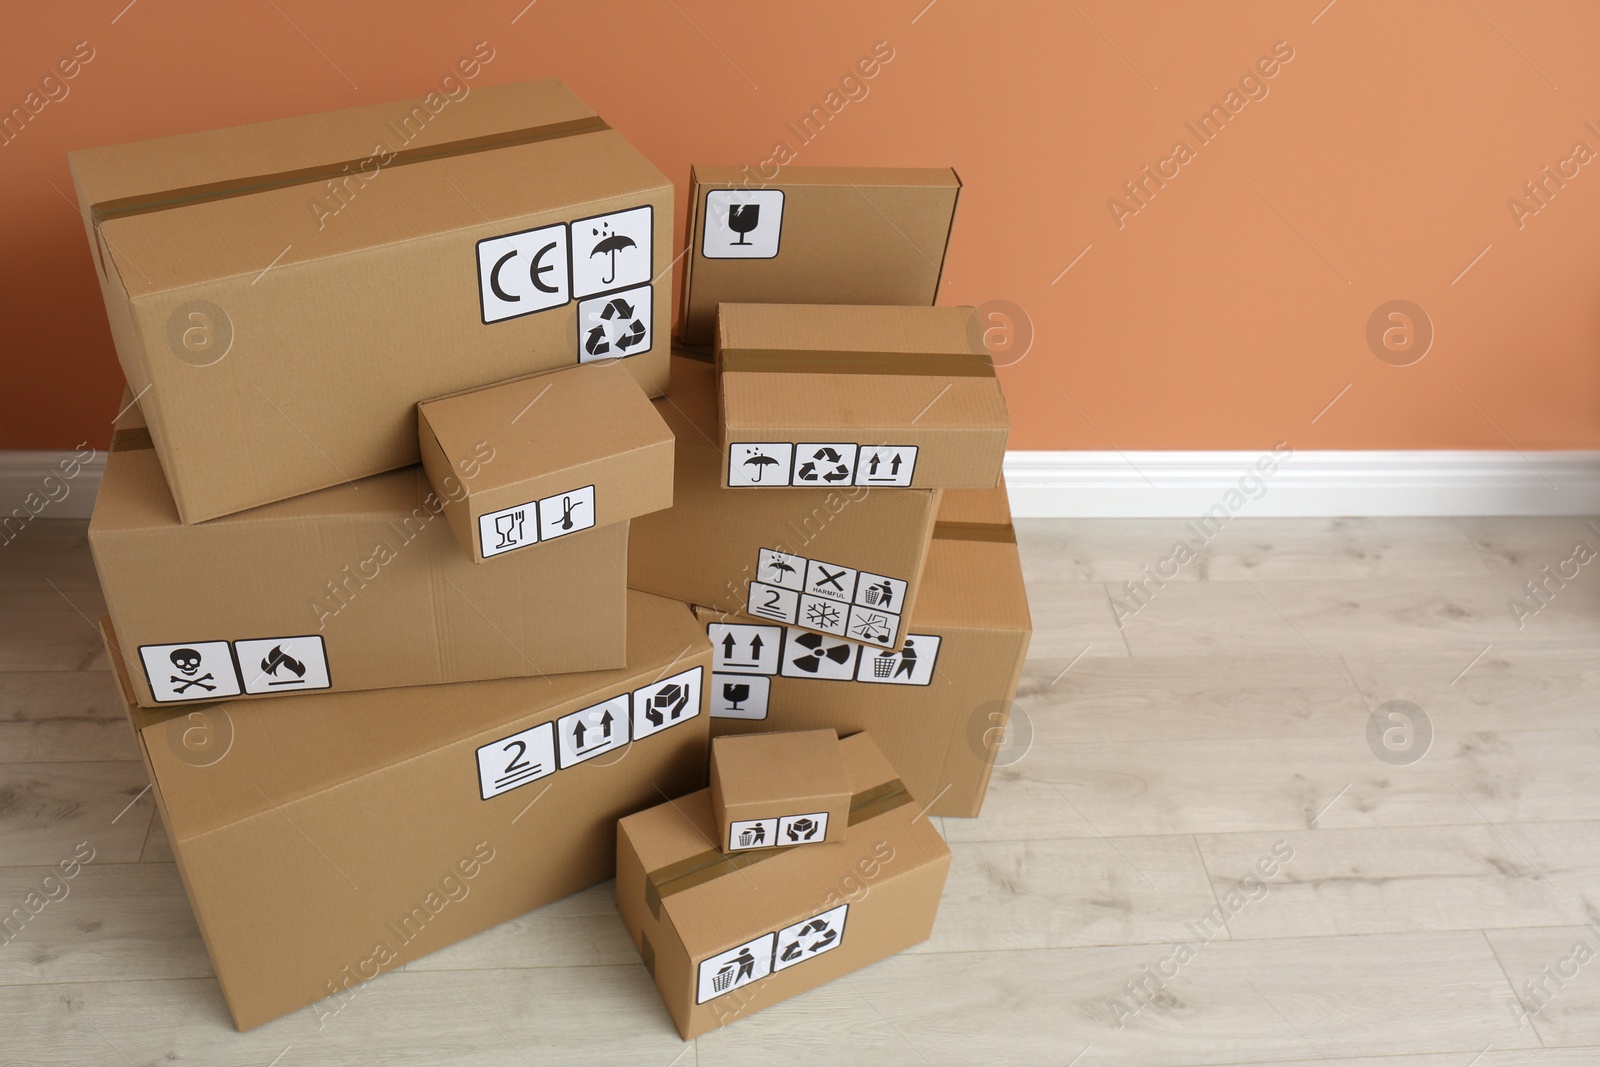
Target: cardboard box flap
[976, 507]
[779, 767]
[293, 747]
[908, 177]
[302, 189]
[965, 582]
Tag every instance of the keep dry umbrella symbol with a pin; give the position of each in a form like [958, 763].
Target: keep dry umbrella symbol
[609, 245]
[760, 461]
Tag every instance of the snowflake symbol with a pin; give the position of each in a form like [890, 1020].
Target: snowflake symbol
[822, 615]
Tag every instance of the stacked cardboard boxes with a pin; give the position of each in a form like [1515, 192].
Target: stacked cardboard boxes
[429, 572]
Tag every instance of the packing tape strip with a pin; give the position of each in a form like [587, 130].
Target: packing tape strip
[146, 203]
[707, 866]
[792, 361]
[996, 532]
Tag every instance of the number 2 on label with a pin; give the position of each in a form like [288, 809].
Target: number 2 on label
[519, 761]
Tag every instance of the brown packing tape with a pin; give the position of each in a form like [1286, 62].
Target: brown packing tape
[145, 203]
[707, 866]
[789, 361]
[997, 532]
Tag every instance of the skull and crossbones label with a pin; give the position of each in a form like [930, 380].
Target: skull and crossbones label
[198, 670]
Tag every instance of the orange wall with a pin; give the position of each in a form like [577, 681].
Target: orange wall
[1225, 313]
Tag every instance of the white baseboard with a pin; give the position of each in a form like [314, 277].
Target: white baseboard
[1136, 484]
[1186, 484]
[36, 485]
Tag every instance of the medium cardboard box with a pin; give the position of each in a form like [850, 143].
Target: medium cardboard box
[573, 449]
[818, 235]
[326, 839]
[882, 397]
[783, 789]
[283, 294]
[940, 707]
[725, 936]
[360, 586]
[845, 561]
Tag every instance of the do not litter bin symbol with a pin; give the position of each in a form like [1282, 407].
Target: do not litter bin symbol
[883, 665]
[722, 980]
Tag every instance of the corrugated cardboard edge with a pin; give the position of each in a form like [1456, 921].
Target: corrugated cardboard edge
[436, 465]
[949, 235]
[691, 242]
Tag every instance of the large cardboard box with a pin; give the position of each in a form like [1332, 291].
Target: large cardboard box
[327, 839]
[940, 707]
[817, 235]
[573, 449]
[884, 397]
[360, 586]
[283, 294]
[845, 561]
[779, 790]
[725, 936]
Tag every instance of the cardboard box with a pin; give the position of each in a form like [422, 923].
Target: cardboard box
[283, 294]
[725, 936]
[881, 397]
[818, 235]
[361, 586]
[775, 554]
[940, 707]
[573, 449]
[326, 839]
[784, 789]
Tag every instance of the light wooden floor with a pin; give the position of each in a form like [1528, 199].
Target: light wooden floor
[1226, 718]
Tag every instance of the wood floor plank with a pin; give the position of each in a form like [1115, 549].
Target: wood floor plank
[48, 552]
[62, 716]
[1519, 547]
[1377, 880]
[1555, 975]
[1290, 783]
[46, 630]
[1343, 548]
[1497, 688]
[47, 809]
[1099, 550]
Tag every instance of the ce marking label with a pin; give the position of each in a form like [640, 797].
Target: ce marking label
[523, 273]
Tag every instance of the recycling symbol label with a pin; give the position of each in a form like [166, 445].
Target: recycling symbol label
[811, 938]
[823, 464]
[616, 325]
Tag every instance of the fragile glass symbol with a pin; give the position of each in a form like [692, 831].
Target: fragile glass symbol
[742, 218]
[734, 692]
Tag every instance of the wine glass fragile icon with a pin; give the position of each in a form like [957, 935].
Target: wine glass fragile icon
[742, 218]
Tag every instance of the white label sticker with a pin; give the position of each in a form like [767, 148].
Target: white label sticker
[740, 696]
[514, 761]
[809, 829]
[742, 224]
[830, 581]
[824, 464]
[615, 326]
[780, 568]
[283, 664]
[746, 834]
[521, 273]
[757, 463]
[891, 465]
[201, 670]
[744, 648]
[739, 966]
[513, 527]
[566, 513]
[771, 602]
[876, 591]
[813, 655]
[873, 627]
[802, 941]
[912, 665]
[828, 616]
[664, 704]
[612, 251]
[585, 734]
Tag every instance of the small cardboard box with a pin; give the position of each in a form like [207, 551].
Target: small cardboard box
[941, 706]
[573, 449]
[326, 839]
[879, 397]
[782, 789]
[817, 235]
[725, 936]
[360, 586]
[283, 294]
[843, 562]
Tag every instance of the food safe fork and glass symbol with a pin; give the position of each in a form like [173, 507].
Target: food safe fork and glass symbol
[509, 527]
[187, 662]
